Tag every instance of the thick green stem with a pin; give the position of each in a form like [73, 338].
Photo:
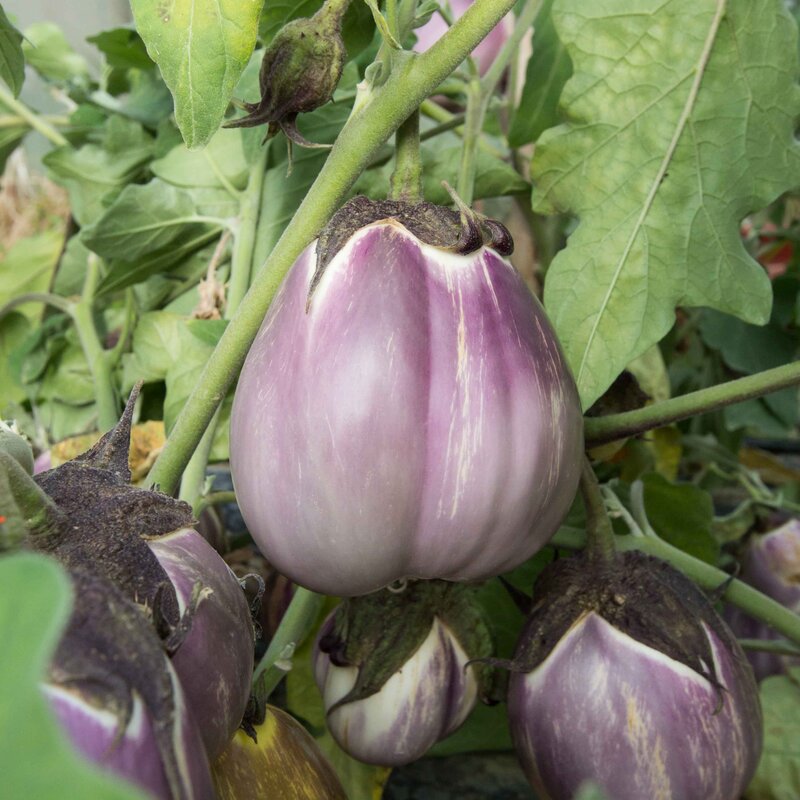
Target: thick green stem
[245, 237]
[194, 476]
[54, 300]
[480, 93]
[406, 180]
[777, 646]
[365, 132]
[213, 499]
[97, 357]
[739, 594]
[599, 430]
[36, 121]
[296, 624]
[599, 532]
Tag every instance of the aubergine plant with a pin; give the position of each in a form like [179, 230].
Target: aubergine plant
[248, 211]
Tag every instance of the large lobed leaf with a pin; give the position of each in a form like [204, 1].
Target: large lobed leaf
[201, 48]
[681, 118]
[12, 62]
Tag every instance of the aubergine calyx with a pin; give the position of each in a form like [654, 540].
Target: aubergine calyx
[461, 232]
[380, 632]
[299, 72]
[105, 522]
[639, 595]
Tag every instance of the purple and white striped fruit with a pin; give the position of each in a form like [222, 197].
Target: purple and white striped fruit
[624, 675]
[120, 702]
[485, 53]
[392, 670]
[143, 543]
[771, 564]
[413, 417]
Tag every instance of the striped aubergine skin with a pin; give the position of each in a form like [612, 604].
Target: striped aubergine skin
[606, 708]
[418, 421]
[771, 564]
[423, 702]
[132, 754]
[215, 662]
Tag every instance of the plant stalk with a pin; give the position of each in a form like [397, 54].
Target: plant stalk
[599, 430]
[36, 121]
[600, 534]
[245, 237]
[296, 624]
[406, 180]
[407, 86]
[98, 358]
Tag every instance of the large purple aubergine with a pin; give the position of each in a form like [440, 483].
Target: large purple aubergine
[405, 410]
[143, 543]
[624, 675]
[771, 564]
[485, 53]
[121, 704]
[392, 670]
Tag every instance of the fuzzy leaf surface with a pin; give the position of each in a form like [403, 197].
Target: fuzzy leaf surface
[681, 121]
[201, 48]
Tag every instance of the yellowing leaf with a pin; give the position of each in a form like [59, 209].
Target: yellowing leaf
[681, 121]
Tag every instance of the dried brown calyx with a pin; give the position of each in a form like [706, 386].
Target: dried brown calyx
[463, 231]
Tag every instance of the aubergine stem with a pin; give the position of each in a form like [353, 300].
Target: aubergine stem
[406, 180]
[36, 121]
[612, 427]
[600, 534]
[741, 595]
[296, 624]
[412, 80]
[245, 235]
[479, 94]
[100, 360]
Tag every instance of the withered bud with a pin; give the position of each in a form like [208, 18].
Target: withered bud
[299, 72]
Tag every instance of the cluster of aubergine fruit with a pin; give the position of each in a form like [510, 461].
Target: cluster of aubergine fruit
[405, 426]
[151, 680]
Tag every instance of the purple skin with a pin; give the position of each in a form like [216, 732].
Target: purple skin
[485, 53]
[772, 565]
[133, 754]
[215, 662]
[42, 462]
[606, 708]
[425, 701]
[419, 421]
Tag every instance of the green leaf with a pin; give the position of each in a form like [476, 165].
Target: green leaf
[12, 61]
[94, 174]
[142, 219]
[778, 773]
[14, 327]
[208, 331]
[122, 274]
[222, 162]
[69, 379]
[123, 49]
[51, 55]
[10, 139]
[156, 347]
[28, 267]
[664, 154]
[37, 760]
[681, 514]
[549, 68]
[201, 48]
